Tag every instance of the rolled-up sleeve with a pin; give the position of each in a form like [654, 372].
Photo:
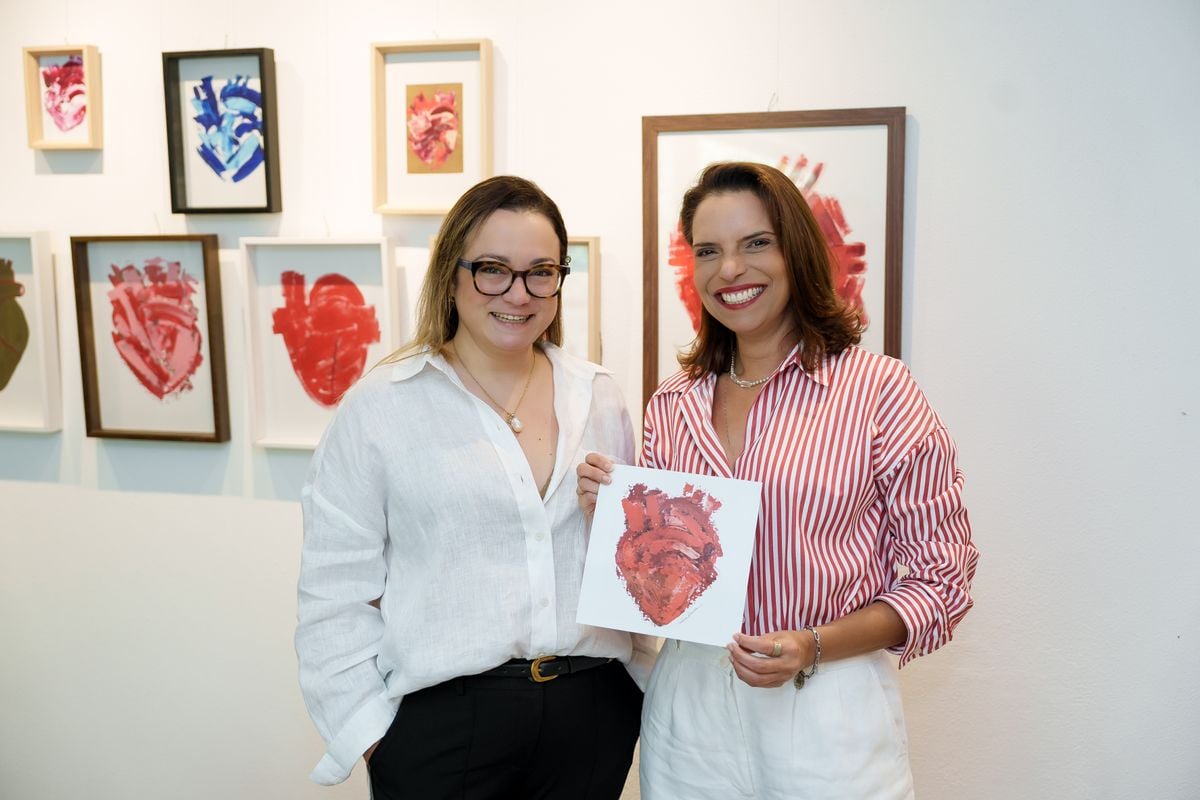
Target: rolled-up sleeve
[927, 524]
[342, 571]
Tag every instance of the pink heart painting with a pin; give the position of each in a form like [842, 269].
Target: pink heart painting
[65, 98]
[435, 127]
[155, 325]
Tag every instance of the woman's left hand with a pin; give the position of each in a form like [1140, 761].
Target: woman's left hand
[590, 474]
[756, 663]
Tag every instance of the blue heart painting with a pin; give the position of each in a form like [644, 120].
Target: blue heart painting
[230, 127]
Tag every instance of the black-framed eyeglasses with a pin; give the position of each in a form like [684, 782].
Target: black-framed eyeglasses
[494, 279]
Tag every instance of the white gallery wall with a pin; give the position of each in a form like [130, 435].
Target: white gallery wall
[147, 590]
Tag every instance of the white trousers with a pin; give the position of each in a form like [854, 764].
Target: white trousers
[706, 734]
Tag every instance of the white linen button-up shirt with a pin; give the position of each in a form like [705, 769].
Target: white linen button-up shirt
[419, 494]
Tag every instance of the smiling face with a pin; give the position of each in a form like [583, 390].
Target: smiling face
[513, 321]
[740, 272]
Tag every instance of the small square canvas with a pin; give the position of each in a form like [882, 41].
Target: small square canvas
[669, 554]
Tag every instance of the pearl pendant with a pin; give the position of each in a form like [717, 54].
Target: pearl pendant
[514, 422]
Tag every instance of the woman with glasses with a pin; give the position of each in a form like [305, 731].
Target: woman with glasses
[862, 546]
[443, 547]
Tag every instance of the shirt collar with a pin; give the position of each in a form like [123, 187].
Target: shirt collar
[820, 374]
[413, 364]
[560, 359]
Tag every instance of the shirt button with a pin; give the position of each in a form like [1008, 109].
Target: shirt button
[545, 602]
[539, 536]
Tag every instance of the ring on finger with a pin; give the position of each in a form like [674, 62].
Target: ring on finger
[777, 649]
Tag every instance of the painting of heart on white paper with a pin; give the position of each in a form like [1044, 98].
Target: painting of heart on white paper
[320, 314]
[669, 554]
[151, 337]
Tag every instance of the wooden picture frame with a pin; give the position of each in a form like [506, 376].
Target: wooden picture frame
[431, 129]
[63, 97]
[222, 144]
[581, 299]
[30, 390]
[311, 303]
[849, 160]
[151, 337]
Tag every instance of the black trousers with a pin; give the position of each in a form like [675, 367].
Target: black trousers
[491, 737]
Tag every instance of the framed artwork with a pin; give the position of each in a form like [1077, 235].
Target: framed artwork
[62, 97]
[320, 314]
[431, 131]
[30, 398]
[581, 299]
[849, 164]
[669, 554]
[151, 341]
[221, 131]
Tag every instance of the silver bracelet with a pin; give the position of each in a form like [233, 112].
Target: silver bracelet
[802, 676]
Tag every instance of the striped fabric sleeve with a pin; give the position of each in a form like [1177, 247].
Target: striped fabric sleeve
[931, 538]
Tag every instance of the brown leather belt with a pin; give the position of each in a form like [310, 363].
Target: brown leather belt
[546, 668]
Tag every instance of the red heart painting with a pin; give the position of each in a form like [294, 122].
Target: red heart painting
[668, 553]
[326, 334]
[14, 330]
[155, 324]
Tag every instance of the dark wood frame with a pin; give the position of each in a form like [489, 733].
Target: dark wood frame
[893, 118]
[216, 340]
[176, 127]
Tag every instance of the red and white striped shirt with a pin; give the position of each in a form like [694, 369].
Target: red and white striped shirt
[859, 477]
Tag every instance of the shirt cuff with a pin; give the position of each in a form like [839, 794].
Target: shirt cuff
[923, 615]
[366, 727]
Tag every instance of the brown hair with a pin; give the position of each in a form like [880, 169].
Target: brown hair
[437, 318]
[822, 323]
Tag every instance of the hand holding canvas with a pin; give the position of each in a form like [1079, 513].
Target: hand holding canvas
[590, 474]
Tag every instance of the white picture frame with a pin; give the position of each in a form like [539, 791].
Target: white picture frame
[580, 299]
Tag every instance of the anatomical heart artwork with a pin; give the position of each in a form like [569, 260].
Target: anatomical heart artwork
[847, 164]
[151, 337]
[62, 97]
[221, 131]
[30, 399]
[319, 318]
[434, 126]
[669, 554]
[431, 123]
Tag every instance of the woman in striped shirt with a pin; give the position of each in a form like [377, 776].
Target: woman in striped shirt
[863, 546]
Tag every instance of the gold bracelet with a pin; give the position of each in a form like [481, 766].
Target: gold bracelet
[802, 676]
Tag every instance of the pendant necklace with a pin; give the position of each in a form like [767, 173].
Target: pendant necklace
[510, 417]
[733, 375]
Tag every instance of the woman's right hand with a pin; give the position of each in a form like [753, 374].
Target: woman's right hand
[590, 474]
